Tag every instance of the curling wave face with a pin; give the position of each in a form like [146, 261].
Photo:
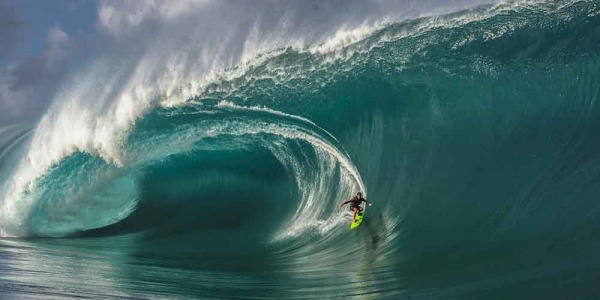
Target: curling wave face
[473, 133]
[84, 192]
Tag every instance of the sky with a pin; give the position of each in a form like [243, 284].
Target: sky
[110, 51]
[35, 38]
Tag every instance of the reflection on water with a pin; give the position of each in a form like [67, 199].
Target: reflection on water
[132, 266]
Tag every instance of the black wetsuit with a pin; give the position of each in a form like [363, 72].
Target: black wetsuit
[355, 202]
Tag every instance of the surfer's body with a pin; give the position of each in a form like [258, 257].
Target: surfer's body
[355, 203]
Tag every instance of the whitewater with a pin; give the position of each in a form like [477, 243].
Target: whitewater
[180, 172]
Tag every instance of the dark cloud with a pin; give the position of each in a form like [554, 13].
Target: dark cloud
[10, 28]
[27, 73]
[26, 86]
[44, 68]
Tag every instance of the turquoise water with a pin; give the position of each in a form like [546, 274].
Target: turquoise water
[475, 135]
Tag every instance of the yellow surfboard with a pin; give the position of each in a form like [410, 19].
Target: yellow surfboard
[357, 221]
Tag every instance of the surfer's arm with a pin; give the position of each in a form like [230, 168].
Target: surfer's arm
[344, 203]
[368, 202]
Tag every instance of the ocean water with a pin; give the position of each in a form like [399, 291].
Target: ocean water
[475, 135]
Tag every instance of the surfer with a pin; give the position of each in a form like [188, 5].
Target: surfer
[355, 204]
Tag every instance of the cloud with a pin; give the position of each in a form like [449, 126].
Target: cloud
[10, 29]
[27, 86]
[56, 35]
[118, 18]
[47, 66]
[56, 46]
[76, 4]
[9, 100]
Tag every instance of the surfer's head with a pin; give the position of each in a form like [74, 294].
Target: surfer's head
[359, 194]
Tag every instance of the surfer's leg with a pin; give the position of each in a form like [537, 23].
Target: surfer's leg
[354, 216]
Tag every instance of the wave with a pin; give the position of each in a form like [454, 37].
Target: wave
[473, 133]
